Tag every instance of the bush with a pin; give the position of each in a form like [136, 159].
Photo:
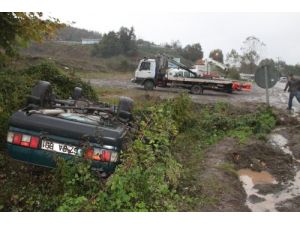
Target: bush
[16, 85]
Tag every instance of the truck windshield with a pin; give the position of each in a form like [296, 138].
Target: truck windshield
[145, 66]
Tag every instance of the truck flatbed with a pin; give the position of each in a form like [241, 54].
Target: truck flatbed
[199, 80]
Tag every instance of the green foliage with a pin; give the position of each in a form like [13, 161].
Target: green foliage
[265, 122]
[182, 111]
[18, 28]
[192, 52]
[147, 178]
[16, 85]
[117, 43]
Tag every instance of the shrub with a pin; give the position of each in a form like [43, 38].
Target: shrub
[16, 85]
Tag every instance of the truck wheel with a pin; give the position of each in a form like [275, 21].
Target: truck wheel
[149, 85]
[197, 90]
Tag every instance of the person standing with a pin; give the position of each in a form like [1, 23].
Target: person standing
[292, 86]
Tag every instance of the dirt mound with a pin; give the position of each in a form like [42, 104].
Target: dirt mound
[283, 118]
[260, 156]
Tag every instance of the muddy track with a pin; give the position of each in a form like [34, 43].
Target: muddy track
[221, 181]
[256, 176]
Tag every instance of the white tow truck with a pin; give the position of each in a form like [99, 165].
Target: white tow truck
[153, 72]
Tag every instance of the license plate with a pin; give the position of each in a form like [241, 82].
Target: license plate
[59, 147]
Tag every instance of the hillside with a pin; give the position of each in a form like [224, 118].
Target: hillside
[69, 33]
[79, 57]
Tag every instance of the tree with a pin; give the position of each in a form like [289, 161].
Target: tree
[233, 58]
[192, 52]
[267, 62]
[19, 28]
[108, 46]
[176, 45]
[127, 40]
[217, 55]
[116, 43]
[251, 49]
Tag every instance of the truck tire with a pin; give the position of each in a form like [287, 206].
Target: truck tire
[149, 85]
[197, 89]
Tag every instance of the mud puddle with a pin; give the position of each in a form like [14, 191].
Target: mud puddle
[264, 192]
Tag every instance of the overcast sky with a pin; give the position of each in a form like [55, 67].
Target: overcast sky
[279, 31]
[188, 21]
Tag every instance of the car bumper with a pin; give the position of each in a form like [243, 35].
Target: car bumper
[48, 158]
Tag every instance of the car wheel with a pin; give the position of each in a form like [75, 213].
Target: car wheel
[125, 108]
[77, 93]
[41, 94]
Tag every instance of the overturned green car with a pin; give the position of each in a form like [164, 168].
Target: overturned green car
[49, 127]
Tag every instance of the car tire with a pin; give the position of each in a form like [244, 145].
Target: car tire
[125, 108]
[41, 94]
[77, 93]
[197, 90]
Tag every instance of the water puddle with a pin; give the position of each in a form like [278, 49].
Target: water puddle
[268, 202]
[262, 177]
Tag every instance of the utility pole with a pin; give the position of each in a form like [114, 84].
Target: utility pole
[267, 85]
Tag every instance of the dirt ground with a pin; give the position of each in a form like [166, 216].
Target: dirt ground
[278, 98]
[255, 176]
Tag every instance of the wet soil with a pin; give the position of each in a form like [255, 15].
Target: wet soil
[290, 205]
[225, 184]
[270, 170]
[260, 156]
[267, 176]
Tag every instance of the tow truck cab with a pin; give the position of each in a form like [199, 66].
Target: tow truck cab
[146, 71]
